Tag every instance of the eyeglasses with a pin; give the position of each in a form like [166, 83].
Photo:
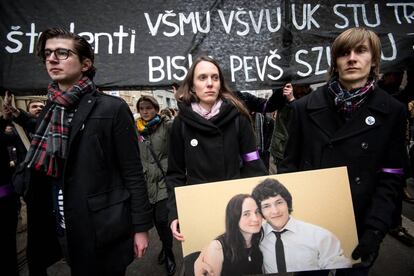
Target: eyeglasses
[60, 53]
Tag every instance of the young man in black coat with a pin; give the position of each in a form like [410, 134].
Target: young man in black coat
[87, 196]
[351, 122]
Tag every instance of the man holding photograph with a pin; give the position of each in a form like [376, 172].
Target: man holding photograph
[352, 122]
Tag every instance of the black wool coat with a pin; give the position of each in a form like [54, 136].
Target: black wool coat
[372, 140]
[204, 150]
[105, 194]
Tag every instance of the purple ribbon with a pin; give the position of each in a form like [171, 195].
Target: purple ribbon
[251, 156]
[264, 107]
[6, 190]
[393, 171]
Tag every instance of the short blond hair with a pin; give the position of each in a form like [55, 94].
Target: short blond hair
[349, 40]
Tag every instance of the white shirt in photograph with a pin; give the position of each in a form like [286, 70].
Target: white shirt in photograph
[306, 247]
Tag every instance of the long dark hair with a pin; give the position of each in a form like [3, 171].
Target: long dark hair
[233, 238]
[184, 93]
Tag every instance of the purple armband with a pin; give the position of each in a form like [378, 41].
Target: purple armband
[6, 190]
[393, 171]
[251, 156]
[264, 107]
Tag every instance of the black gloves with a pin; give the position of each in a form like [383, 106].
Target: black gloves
[367, 249]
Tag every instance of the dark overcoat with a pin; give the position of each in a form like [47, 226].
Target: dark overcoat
[205, 151]
[105, 194]
[370, 145]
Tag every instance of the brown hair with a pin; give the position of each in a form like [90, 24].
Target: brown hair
[349, 40]
[233, 237]
[150, 99]
[184, 93]
[33, 101]
[82, 48]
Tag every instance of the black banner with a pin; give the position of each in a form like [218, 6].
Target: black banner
[260, 43]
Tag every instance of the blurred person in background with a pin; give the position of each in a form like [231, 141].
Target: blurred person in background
[154, 133]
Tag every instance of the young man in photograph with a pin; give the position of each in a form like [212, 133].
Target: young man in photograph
[289, 244]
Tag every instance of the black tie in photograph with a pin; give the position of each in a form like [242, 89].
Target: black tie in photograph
[280, 252]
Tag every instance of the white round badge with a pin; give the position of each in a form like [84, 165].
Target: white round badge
[370, 120]
[194, 142]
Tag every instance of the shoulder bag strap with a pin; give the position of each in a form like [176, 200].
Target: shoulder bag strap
[148, 143]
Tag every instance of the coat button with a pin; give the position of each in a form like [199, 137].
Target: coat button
[364, 145]
[357, 180]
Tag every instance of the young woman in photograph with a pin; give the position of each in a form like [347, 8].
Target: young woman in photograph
[236, 252]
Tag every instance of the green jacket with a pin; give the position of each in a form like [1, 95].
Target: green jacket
[159, 140]
[280, 133]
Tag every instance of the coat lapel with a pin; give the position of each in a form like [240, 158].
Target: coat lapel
[322, 114]
[369, 116]
[366, 118]
[85, 107]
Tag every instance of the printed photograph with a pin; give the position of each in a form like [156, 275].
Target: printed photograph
[274, 224]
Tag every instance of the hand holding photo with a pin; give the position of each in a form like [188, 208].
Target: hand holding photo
[307, 223]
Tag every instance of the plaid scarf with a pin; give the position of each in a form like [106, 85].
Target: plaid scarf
[346, 101]
[145, 128]
[49, 144]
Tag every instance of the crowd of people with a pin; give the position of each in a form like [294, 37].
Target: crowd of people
[95, 180]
